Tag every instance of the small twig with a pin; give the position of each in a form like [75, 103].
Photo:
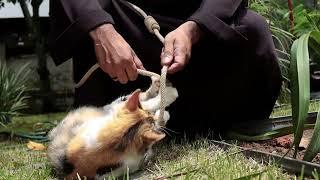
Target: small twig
[176, 175]
[78, 176]
[151, 171]
[196, 169]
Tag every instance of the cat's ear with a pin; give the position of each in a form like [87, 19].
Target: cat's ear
[132, 102]
[153, 136]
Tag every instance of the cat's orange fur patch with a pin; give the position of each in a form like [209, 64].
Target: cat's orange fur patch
[108, 137]
[122, 141]
[121, 124]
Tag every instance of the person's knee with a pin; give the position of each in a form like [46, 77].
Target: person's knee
[259, 35]
[256, 25]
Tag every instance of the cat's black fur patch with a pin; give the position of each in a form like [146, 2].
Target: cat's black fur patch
[106, 169]
[128, 137]
[67, 167]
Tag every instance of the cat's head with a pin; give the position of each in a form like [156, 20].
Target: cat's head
[142, 130]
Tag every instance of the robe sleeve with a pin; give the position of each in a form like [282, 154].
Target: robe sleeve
[216, 16]
[86, 14]
[71, 21]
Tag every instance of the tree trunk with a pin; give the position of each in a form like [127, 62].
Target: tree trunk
[2, 52]
[40, 49]
[26, 14]
[33, 24]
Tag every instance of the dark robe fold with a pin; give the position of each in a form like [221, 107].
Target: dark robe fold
[233, 74]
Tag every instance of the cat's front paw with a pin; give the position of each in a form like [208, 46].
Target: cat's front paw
[153, 90]
[162, 122]
[171, 95]
[155, 86]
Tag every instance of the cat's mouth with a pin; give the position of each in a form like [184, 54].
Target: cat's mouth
[160, 124]
[158, 131]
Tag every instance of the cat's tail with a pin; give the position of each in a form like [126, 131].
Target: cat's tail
[57, 156]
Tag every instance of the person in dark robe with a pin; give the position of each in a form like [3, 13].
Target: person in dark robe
[220, 54]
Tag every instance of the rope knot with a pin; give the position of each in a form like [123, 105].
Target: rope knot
[151, 24]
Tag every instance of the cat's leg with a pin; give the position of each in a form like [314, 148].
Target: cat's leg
[171, 95]
[163, 122]
[152, 91]
[147, 157]
[153, 104]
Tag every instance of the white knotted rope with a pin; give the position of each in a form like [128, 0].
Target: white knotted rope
[154, 28]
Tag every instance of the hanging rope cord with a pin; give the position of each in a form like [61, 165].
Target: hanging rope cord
[154, 28]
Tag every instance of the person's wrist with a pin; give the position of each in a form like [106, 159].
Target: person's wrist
[193, 31]
[104, 28]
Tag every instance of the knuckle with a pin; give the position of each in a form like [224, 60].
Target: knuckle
[188, 56]
[166, 53]
[138, 63]
[180, 65]
[168, 39]
[169, 35]
[127, 60]
[122, 81]
[134, 77]
[116, 62]
[127, 55]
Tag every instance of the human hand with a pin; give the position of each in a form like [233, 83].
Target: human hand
[177, 46]
[114, 54]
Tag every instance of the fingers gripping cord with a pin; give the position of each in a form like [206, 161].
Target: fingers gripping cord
[154, 28]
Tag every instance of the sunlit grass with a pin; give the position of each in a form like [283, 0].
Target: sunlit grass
[202, 160]
[198, 160]
[285, 110]
[17, 162]
[188, 160]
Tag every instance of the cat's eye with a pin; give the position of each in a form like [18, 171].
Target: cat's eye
[123, 98]
[150, 120]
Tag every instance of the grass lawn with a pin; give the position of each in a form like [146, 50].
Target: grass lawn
[17, 162]
[285, 110]
[197, 160]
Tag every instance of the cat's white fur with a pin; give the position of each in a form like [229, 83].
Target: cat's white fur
[149, 100]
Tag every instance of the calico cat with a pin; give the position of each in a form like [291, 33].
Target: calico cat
[97, 142]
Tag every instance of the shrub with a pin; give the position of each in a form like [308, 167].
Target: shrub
[13, 89]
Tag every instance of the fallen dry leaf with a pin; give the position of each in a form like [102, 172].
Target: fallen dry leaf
[36, 146]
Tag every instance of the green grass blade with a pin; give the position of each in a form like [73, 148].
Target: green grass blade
[251, 176]
[266, 136]
[300, 86]
[314, 145]
[314, 44]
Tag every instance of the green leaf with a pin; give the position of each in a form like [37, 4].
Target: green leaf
[300, 86]
[13, 89]
[265, 136]
[314, 145]
[314, 44]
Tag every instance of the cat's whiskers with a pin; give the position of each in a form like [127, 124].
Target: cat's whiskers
[167, 129]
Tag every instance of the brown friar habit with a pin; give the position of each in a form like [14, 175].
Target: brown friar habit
[233, 74]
